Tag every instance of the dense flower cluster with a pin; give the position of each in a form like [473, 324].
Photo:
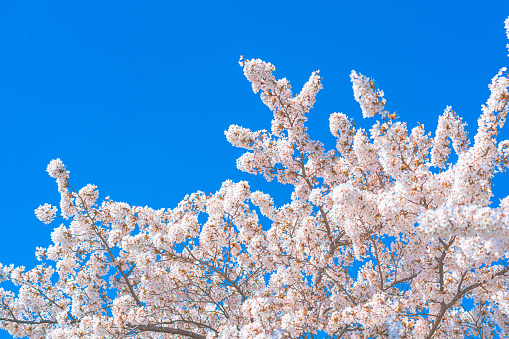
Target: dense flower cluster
[368, 96]
[507, 30]
[382, 237]
[46, 213]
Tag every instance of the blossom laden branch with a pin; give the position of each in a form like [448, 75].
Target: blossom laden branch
[381, 236]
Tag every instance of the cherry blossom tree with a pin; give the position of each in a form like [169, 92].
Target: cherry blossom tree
[432, 252]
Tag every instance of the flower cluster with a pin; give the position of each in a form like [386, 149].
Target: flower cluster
[46, 213]
[56, 169]
[507, 29]
[368, 96]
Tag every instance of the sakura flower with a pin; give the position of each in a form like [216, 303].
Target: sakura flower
[46, 213]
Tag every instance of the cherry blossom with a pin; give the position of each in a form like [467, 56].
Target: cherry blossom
[382, 237]
[46, 213]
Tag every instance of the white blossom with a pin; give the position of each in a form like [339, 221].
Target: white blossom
[46, 213]
[367, 95]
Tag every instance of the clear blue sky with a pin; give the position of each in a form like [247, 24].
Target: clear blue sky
[134, 96]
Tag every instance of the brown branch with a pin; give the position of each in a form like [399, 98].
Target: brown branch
[152, 328]
[110, 252]
[187, 322]
[380, 273]
[35, 322]
[400, 281]
[444, 307]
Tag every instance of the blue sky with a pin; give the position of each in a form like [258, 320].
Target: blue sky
[134, 96]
